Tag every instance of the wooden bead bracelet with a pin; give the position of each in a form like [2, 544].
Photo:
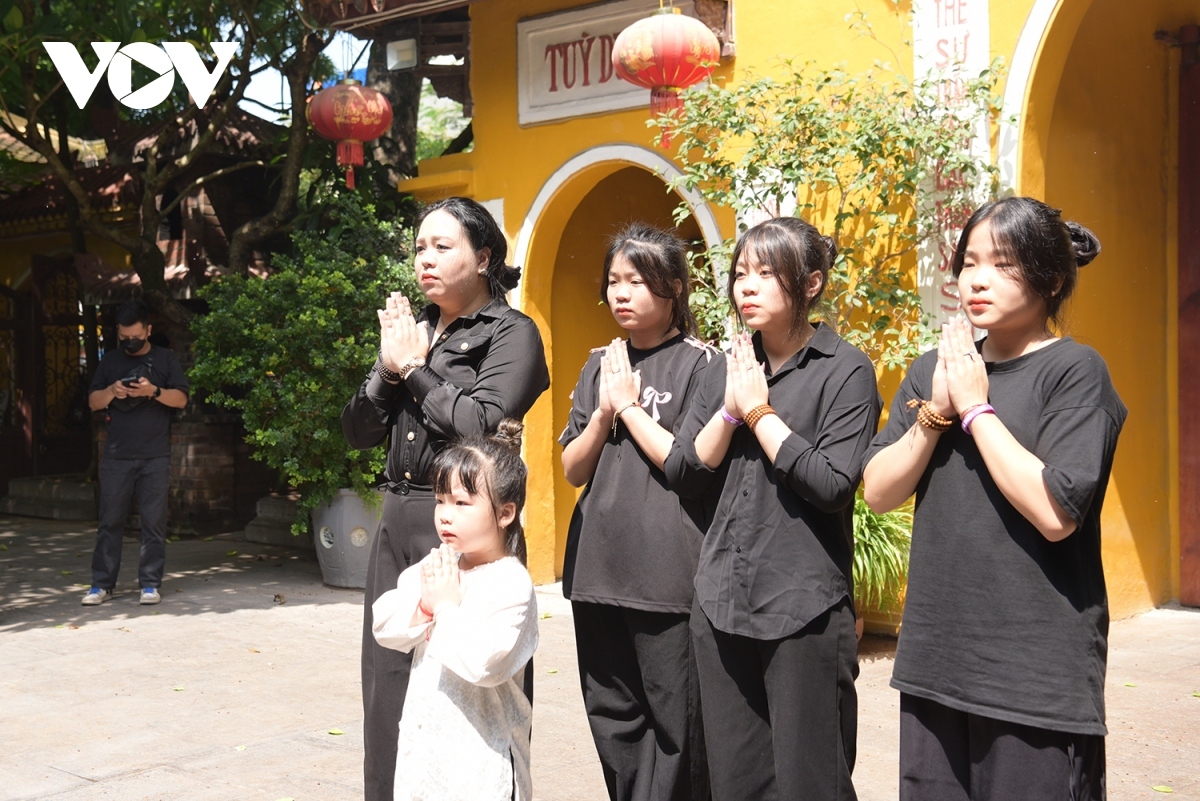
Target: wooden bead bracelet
[928, 418]
[758, 413]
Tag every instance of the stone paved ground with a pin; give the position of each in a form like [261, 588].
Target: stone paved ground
[231, 687]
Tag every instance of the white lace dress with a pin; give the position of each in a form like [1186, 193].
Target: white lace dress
[464, 732]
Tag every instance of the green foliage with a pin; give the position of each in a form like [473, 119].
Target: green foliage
[708, 299]
[440, 121]
[857, 153]
[881, 543]
[289, 350]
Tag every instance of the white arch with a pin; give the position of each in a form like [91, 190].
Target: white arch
[629, 154]
[1016, 90]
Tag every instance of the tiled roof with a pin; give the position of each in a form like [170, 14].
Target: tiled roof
[350, 15]
[243, 134]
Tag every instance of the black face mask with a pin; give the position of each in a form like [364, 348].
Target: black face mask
[132, 346]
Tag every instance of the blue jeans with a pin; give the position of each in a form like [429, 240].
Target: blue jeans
[120, 479]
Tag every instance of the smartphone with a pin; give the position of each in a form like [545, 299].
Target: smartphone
[129, 382]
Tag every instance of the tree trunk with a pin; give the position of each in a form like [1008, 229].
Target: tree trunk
[279, 218]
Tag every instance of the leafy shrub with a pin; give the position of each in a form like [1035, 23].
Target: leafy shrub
[859, 156]
[289, 350]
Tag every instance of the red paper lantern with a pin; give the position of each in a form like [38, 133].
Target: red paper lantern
[666, 53]
[350, 114]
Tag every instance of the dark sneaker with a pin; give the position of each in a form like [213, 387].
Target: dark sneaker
[96, 596]
[150, 596]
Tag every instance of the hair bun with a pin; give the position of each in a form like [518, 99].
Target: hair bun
[505, 277]
[832, 247]
[1084, 243]
[509, 433]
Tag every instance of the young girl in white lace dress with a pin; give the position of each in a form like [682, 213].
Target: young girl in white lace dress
[468, 613]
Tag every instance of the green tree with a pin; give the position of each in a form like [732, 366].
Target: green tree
[859, 156]
[273, 33]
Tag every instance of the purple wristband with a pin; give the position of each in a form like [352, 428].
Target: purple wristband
[983, 408]
[733, 421]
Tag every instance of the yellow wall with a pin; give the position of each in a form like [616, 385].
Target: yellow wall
[1106, 156]
[1096, 138]
[19, 250]
[514, 163]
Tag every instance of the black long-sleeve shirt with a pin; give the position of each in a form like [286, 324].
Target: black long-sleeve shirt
[484, 367]
[780, 548]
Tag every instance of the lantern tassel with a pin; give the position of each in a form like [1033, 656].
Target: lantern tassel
[349, 155]
[665, 100]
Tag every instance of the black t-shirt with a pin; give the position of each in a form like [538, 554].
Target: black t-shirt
[138, 428]
[632, 543]
[780, 548]
[998, 620]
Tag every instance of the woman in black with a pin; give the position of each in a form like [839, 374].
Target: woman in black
[632, 546]
[1008, 443]
[778, 429]
[464, 364]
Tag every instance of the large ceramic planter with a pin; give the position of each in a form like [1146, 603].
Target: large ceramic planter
[343, 531]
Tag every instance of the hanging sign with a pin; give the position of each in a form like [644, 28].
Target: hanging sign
[564, 62]
[951, 39]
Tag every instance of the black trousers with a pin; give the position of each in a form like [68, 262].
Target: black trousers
[642, 696]
[780, 716]
[948, 755]
[406, 534]
[120, 481]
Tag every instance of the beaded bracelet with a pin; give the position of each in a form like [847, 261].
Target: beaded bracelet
[391, 376]
[758, 413]
[928, 418]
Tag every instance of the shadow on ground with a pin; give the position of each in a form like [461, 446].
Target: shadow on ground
[45, 569]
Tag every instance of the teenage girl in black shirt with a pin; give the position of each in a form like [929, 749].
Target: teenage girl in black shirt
[458, 368]
[1008, 444]
[632, 547]
[778, 429]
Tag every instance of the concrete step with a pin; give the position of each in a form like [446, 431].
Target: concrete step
[61, 497]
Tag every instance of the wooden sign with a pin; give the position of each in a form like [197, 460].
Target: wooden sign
[564, 62]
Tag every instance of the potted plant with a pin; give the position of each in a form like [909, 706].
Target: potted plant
[289, 350]
[881, 543]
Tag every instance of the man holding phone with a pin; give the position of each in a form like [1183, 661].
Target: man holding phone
[140, 384]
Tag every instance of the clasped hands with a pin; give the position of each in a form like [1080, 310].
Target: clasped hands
[441, 582]
[401, 337]
[960, 379]
[745, 378]
[620, 384]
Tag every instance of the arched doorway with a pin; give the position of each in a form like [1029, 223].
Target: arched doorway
[561, 248]
[1098, 135]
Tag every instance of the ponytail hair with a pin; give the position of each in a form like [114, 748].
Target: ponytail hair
[489, 464]
[661, 258]
[483, 232]
[795, 250]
